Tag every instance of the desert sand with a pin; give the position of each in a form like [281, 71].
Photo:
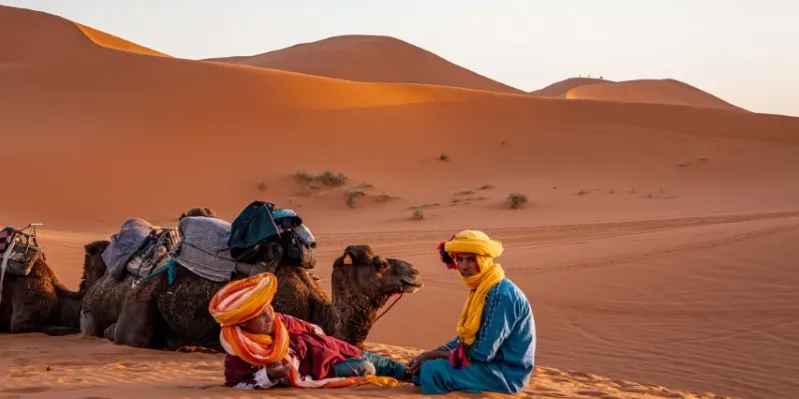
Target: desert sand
[657, 243]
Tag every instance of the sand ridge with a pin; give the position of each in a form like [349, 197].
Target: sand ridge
[369, 58]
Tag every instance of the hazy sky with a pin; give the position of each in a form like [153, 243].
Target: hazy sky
[745, 52]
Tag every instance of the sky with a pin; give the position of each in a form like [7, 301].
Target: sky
[742, 51]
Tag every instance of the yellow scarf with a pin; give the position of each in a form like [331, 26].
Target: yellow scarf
[479, 285]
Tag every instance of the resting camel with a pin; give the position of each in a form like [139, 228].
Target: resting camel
[102, 303]
[39, 302]
[361, 281]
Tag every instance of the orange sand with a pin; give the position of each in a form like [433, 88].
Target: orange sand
[657, 246]
[370, 59]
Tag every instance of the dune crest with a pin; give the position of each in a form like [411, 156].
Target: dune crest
[108, 40]
[654, 91]
[370, 58]
[560, 88]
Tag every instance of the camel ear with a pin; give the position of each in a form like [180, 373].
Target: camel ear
[182, 215]
[358, 254]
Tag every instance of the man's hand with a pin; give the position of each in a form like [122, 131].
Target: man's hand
[416, 363]
[276, 371]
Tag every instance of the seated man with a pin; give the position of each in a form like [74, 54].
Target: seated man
[495, 346]
[266, 348]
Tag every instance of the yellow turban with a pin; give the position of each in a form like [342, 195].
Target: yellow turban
[475, 242]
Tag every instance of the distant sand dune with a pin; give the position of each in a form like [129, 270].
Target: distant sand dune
[560, 88]
[664, 91]
[370, 59]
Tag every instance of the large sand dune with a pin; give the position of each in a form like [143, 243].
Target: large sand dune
[370, 59]
[655, 246]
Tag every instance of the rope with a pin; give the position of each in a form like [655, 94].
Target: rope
[169, 268]
[389, 307]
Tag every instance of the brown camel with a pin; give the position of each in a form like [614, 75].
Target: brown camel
[39, 302]
[102, 303]
[362, 283]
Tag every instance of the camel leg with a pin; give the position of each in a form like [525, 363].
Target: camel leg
[89, 325]
[31, 312]
[135, 324]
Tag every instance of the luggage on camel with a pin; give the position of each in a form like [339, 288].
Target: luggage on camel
[19, 250]
[138, 248]
[154, 252]
[203, 249]
[254, 235]
[300, 244]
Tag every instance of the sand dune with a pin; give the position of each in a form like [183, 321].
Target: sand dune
[370, 59]
[662, 91]
[655, 246]
[560, 88]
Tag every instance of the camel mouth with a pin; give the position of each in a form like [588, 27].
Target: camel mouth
[409, 285]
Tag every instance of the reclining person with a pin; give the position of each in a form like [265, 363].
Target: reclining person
[266, 348]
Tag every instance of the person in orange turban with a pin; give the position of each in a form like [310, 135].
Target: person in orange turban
[494, 349]
[265, 348]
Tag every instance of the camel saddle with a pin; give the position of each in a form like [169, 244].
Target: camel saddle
[154, 252]
[18, 252]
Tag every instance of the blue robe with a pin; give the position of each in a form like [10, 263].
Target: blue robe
[502, 355]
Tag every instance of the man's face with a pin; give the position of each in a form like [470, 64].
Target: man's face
[467, 264]
[262, 324]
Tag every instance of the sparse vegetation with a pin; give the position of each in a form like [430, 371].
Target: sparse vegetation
[582, 192]
[384, 198]
[418, 213]
[486, 187]
[352, 197]
[516, 200]
[684, 164]
[261, 186]
[326, 178]
[443, 157]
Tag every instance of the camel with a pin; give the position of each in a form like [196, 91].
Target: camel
[39, 302]
[362, 283]
[102, 303]
[178, 317]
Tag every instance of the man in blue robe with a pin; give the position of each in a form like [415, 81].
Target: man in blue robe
[495, 347]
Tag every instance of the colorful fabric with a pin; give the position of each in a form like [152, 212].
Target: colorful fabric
[489, 275]
[242, 300]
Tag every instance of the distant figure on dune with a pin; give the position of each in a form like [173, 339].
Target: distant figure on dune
[495, 347]
[266, 348]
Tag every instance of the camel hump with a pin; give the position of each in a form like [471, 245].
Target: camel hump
[203, 248]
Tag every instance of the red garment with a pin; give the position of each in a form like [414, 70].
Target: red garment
[317, 353]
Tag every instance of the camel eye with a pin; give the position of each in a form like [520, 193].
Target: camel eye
[379, 263]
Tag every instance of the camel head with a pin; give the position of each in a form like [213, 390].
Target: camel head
[199, 211]
[358, 272]
[93, 264]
